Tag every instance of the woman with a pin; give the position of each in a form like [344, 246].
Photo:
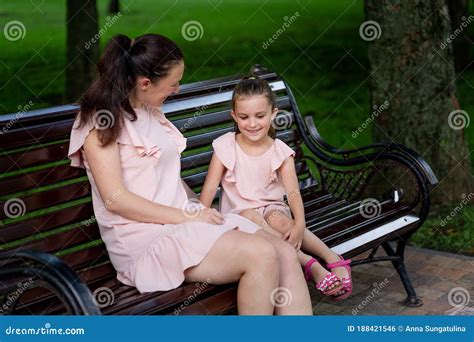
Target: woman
[131, 153]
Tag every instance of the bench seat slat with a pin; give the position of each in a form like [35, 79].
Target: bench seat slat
[392, 227]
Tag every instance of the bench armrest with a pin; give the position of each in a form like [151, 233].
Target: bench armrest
[376, 148]
[339, 167]
[41, 269]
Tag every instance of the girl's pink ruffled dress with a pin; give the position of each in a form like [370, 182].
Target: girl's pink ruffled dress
[151, 256]
[251, 182]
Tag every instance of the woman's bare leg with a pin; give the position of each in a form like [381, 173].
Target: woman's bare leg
[292, 297]
[248, 258]
[280, 222]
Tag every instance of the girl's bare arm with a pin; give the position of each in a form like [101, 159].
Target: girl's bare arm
[290, 182]
[213, 179]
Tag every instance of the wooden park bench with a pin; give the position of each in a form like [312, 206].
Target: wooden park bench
[53, 261]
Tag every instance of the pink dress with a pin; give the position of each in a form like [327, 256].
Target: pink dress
[151, 256]
[251, 182]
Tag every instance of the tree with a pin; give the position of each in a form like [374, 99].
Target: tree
[114, 6]
[82, 46]
[459, 13]
[416, 76]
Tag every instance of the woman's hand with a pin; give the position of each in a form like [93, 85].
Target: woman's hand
[208, 215]
[295, 236]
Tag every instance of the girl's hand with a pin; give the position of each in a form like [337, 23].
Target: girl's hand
[295, 236]
[208, 215]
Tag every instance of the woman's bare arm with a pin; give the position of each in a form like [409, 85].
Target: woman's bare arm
[106, 170]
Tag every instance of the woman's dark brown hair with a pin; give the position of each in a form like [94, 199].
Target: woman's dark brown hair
[253, 86]
[150, 55]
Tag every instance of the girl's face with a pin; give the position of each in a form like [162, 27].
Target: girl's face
[254, 116]
[154, 94]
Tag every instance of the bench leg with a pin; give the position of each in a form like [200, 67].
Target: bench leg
[412, 299]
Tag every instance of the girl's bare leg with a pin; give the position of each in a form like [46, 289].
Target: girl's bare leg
[312, 244]
[248, 258]
[280, 222]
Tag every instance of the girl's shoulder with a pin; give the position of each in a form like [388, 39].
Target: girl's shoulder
[224, 149]
[228, 139]
[282, 148]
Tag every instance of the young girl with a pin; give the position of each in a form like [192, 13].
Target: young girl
[256, 170]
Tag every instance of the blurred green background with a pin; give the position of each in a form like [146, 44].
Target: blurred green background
[321, 56]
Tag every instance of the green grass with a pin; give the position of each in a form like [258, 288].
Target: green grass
[455, 236]
[329, 78]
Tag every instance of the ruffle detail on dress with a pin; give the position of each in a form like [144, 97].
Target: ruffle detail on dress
[171, 129]
[280, 153]
[168, 257]
[76, 141]
[224, 148]
[162, 265]
[130, 136]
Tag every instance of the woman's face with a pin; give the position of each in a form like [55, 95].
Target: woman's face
[154, 94]
[253, 116]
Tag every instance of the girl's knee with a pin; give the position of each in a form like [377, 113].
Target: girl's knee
[279, 221]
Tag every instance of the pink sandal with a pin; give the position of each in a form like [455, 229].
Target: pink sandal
[346, 282]
[322, 285]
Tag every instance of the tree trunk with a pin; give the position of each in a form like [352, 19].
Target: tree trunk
[114, 6]
[416, 77]
[459, 14]
[82, 47]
